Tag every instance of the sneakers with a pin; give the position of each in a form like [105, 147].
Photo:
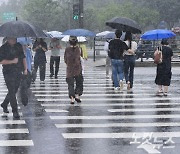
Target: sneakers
[5, 109]
[16, 116]
[116, 88]
[121, 85]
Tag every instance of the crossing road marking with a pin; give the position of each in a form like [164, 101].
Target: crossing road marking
[107, 125]
[11, 122]
[113, 99]
[16, 143]
[5, 131]
[118, 117]
[144, 110]
[93, 95]
[56, 110]
[121, 135]
[111, 104]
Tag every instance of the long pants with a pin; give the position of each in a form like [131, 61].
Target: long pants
[54, 60]
[79, 85]
[129, 63]
[12, 80]
[42, 71]
[117, 71]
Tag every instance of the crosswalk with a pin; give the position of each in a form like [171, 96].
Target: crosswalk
[14, 133]
[147, 121]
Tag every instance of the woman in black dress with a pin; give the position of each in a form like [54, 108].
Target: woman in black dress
[163, 75]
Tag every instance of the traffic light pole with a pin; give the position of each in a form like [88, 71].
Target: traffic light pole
[81, 13]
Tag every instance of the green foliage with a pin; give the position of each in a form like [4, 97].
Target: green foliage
[57, 15]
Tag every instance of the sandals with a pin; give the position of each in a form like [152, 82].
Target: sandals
[159, 93]
[165, 94]
[75, 99]
[78, 100]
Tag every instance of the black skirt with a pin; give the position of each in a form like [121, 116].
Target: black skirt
[163, 75]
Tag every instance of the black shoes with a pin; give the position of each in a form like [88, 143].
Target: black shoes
[16, 116]
[56, 77]
[5, 109]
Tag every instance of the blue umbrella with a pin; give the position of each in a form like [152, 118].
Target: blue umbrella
[157, 34]
[79, 32]
[24, 40]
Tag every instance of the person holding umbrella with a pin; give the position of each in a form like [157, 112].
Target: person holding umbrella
[40, 47]
[72, 58]
[163, 74]
[116, 51]
[13, 61]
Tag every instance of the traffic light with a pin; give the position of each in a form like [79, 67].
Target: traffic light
[76, 11]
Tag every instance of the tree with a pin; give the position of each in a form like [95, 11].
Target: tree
[168, 10]
[43, 13]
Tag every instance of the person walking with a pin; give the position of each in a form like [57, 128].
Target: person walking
[116, 50]
[72, 58]
[55, 57]
[39, 47]
[129, 60]
[13, 61]
[108, 60]
[163, 73]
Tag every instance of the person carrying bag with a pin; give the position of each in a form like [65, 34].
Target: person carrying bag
[158, 56]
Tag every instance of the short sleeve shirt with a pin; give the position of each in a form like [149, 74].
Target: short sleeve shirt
[54, 50]
[117, 48]
[8, 52]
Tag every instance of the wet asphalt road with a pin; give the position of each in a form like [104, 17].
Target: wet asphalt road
[106, 121]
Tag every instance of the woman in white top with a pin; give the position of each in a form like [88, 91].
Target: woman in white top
[129, 60]
[55, 57]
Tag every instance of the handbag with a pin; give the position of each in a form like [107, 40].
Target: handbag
[25, 84]
[158, 56]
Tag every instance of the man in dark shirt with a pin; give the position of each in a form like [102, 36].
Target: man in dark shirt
[116, 50]
[13, 61]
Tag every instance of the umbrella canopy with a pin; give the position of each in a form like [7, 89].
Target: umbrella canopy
[20, 29]
[24, 40]
[124, 24]
[102, 34]
[112, 36]
[79, 32]
[55, 34]
[80, 39]
[157, 34]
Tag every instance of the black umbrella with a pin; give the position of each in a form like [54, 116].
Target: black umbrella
[124, 24]
[20, 29]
